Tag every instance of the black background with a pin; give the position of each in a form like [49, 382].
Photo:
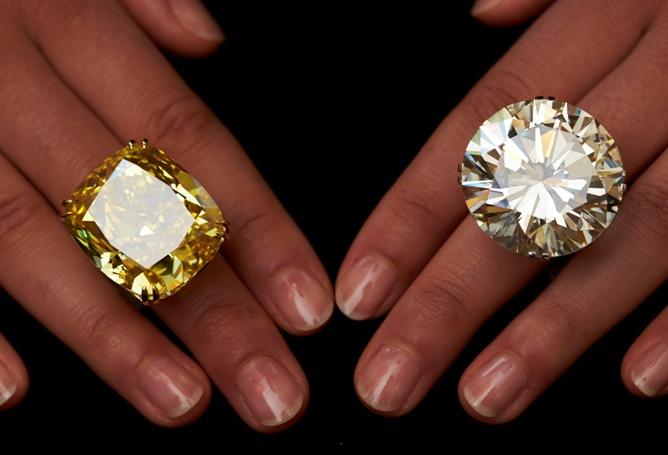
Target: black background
[332, 100]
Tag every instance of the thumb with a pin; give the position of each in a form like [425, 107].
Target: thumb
[181, 26]
[504, 13]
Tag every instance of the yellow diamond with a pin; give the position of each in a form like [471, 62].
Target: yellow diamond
[543, 178]
[147, 224]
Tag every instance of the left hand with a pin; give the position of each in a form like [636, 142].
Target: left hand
[420, 255]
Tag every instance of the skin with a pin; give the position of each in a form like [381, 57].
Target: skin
[226, 317]
[441, 278]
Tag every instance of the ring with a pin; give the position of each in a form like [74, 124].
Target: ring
[145, 222]
[542, 177]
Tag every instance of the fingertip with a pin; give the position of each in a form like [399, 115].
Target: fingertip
[173, 391]
[273, 393]
[13, 377]
[644, 369]
[299, 301]
[184, 27]
[507, 13]
[493, 388]
[367, 288]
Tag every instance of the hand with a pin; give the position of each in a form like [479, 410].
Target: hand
[421, 257]
[77, 79]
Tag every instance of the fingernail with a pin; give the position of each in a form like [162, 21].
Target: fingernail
[301, 300]
[366, 287]
[195, 18]
[7, 385]
[496, 386]
[482, 6]
[388, 379]
[650, 372]
[270, 392]
[170, 387]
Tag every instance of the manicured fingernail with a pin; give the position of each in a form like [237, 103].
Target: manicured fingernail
[170, 387]
[7, 385]
[301, 300]
[650, 371]
[388, 379]
[364, 290]
[482, 6]
[195, 18]
[495, 386]
[270, 392]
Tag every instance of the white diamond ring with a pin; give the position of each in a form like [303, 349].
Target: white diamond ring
[542, 177]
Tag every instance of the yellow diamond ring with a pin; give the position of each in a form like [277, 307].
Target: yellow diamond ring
[146, 223]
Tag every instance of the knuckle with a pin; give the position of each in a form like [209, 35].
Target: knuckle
[413, 207]
[561, 317]
[20, 211]
[217, 318]
[101, 329]
[181, 119]
[443, 300]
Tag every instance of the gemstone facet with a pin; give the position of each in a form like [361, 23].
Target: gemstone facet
[145, 223]
[542, 177]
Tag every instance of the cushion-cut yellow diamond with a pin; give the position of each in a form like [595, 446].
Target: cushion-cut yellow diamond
[145, 223]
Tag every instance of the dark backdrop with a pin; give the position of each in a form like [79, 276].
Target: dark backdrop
[332, 100]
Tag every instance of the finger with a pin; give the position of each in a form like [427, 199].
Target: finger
[611, 278]
[182, 26]
[55, 282]
[13, 376]
[215, 306]
[240, 348]
[505, 13]
[469, 277]
[422, 208]
[645, 366]
[269, 252]
[218, 318]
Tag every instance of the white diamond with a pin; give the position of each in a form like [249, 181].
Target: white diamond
[140, 215]
[542, 177]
